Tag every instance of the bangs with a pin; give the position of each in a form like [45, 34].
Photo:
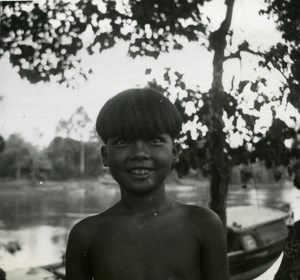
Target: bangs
[138, 113]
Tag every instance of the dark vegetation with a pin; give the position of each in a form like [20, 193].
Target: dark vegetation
[59, 161]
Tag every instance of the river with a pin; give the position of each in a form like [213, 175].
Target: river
[38, 219]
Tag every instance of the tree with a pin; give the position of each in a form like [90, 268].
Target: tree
[93, 166]
[17, 158]
[78, 127]
[268, 147]
[43, 168]
[2, 144]
[45, 40]
[64, 154]
[285, 57]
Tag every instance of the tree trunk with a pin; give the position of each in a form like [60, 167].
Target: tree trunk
[82, 165]
[216, 138]
[18, 170]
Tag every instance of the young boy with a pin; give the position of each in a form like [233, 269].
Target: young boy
[146, 235]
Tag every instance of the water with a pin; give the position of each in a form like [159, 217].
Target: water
[38, 219]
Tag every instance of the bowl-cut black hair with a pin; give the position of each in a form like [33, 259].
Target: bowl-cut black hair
[138, 112]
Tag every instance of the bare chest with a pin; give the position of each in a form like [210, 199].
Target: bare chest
[145, 250]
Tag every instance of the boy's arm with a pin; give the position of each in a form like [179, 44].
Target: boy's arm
[214, 263]
[77, 263]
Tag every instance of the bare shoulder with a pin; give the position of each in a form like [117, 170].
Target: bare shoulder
[88, 223]
[200, 214]
[86, 230]
[208, 228]
[203, 220]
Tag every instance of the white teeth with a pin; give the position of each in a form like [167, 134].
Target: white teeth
[139, 171]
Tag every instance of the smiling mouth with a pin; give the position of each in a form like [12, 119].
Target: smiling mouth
[140, 171]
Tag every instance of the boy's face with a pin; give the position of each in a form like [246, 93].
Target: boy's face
[140, 165]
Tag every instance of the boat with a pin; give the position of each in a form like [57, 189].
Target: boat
[36, 273]
[256, 237]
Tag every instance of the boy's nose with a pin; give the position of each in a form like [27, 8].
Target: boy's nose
[140, 150]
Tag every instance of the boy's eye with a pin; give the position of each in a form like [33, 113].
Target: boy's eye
[156, 140]
[118, 141]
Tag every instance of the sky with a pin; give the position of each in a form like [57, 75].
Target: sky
[34, 110]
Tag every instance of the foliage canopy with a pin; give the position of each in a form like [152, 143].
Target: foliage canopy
[44, 38]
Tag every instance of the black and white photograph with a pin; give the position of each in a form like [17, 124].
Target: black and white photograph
[150, 140]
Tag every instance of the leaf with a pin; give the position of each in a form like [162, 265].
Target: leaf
[257, 105]
[242, 85]
[166, 75]
[254, 86]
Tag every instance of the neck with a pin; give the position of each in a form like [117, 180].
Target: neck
[150, 203]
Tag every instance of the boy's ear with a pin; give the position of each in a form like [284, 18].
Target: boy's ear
[175, 150]
[104, 155]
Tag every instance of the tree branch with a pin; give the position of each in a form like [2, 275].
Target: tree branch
[281, 72]
[241, 49]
